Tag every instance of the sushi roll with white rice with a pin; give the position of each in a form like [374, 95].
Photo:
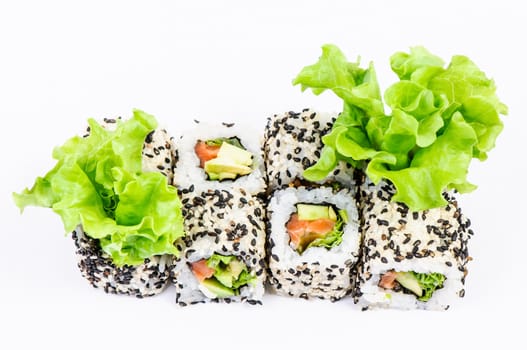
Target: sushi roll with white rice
[410, 260]
[152, 276]
[147, 279]
[220, 156]
[125, 216]
[223, 253]
[313, 242]
[293, 143]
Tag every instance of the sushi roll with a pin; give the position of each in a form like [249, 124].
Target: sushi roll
[313, 242]
[147, 279]
[223, 253]
[220, 157]
[293, 143]
[410, 259]
[111, 188]
[153, 275]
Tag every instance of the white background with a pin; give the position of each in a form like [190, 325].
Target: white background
[62, 62]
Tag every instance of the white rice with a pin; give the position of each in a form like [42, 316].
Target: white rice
[226, 223]
[395, 238]
[188, 172]
[283, 204]
[324, 273]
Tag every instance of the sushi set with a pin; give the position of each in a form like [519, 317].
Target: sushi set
[360, 205]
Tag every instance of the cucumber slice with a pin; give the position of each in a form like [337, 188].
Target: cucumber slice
[312, 211]
[408, 281]
[216, 288]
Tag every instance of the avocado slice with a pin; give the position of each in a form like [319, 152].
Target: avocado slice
[228, 275]
[331, 214]
[235, 154]
[216, 288]
[225, 169]
[408, 281]
[343, 215]
[224, 277]
[313, 211]
[222, 176]
[213, 176]
[236, 267]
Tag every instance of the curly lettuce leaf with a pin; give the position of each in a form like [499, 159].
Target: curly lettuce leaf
[442, 165]
[218, 262]
[243, 279]
[98, 183]
[429, 282]
[332, 238]
[230, 272]
[415, 63]
[440, 119]
[360, 92]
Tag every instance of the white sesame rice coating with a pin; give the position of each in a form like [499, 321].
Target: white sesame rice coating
[293, 142]
[396, 238]
[147, 279]
[227, 223]
[318, 272]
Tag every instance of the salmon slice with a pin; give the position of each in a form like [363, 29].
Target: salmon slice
[388, 280]
[303, 232]
[201, 270]
[320, 226]
[205, 152]
[296, 229]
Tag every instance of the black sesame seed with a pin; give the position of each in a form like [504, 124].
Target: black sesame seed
[381, 222]
[149, 137]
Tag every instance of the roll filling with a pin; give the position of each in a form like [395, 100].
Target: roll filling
[315, 225]
[221, 276]
[224, 158]
[422, 285]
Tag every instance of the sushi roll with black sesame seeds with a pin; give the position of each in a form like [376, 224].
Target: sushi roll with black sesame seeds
[313, 242]
[146, 279]
[410, 259]
[223, 253]
[292, 143]
[220, 156]
[113, 189]
[152, 276]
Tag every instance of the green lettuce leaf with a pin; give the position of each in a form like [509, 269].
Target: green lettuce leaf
[331, 239]
[98, 183]
[230, 140]
[230, 272]
[444, 164]
[429, 282]
[219, 262]
[440, 119]
[243, 279]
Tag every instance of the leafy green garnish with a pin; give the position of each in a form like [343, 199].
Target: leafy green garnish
[329, 240]
[429, 282]
[230, 272]
[440, 119]
[98, 182]
[230, 140]
[332, 238]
